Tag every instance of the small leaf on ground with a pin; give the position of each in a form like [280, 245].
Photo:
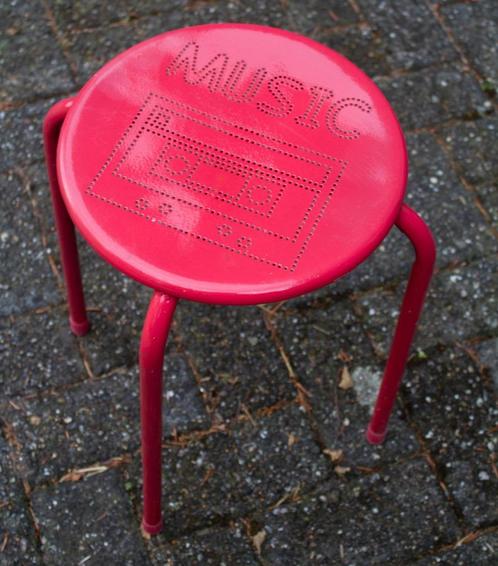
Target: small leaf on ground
[334, 455]
[258, 539]
[341, 470]
[345, 382]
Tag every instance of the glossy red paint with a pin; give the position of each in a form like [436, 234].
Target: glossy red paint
[425, 256]
[152, 343]
[78, 319]
[232, 164]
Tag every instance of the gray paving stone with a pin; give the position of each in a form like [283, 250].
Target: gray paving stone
[73, 15]
[473, 485]
[461, 304]
[316, 340]
[35, 174]
[76, 16]
[400, 24]
[111, 344]
[183, 410]
[472, 146]
[475, 27]
[279, 454]
[488, 196]
[437, 3]
[488, 356]
[21, 128]
[228, 475]
[17, 534]
[90, 522]
[447, 393]
[360, 45]
[38, 352]
[263, 12]
[238, 364]
[319, 15]
[385, 518]
[217, 546]
[96, 421]
[90, 50]
[89, 423]
[26, 281]
[317, 335]
[318, 18]
[31, 62]
[10, 484]
[431, 96]
[482, 551]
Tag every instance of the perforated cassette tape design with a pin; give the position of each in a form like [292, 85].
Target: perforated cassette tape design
[219, 182]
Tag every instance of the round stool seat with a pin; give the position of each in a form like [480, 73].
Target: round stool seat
[232, 163]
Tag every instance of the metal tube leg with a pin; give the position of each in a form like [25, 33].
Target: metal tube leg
[65, 228]
[421, 238]
[152, 344]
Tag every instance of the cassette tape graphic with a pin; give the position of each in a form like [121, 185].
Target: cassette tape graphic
[219, 181]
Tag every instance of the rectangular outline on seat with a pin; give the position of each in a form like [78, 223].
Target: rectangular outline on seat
[245, 134]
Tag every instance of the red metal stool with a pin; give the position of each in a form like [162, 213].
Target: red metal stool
[230, 164]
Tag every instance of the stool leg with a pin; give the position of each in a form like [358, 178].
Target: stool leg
[65, 228]
[421, 238]
[152, 344]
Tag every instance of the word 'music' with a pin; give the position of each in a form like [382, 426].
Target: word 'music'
[277, 93]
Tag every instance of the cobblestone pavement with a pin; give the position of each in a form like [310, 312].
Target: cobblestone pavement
[265, 460]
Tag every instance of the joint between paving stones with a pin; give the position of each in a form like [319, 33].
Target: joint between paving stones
[135, 502]
[225, 427]
[358, 11]
[461, 541]
[433, 461]
[392, 285]
[15, 448]
[178, 340]
[15, 104]
[30, 312]
[435, 9]
[50, 391]
[323, 33]
[433, 464]
[27, 186]
[468, 186]
[301, 393]
[248, 528]
[60, 39]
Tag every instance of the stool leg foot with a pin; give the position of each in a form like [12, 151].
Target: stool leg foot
[79, 328]
[65, 227]
[152, 345]
[421, 238]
